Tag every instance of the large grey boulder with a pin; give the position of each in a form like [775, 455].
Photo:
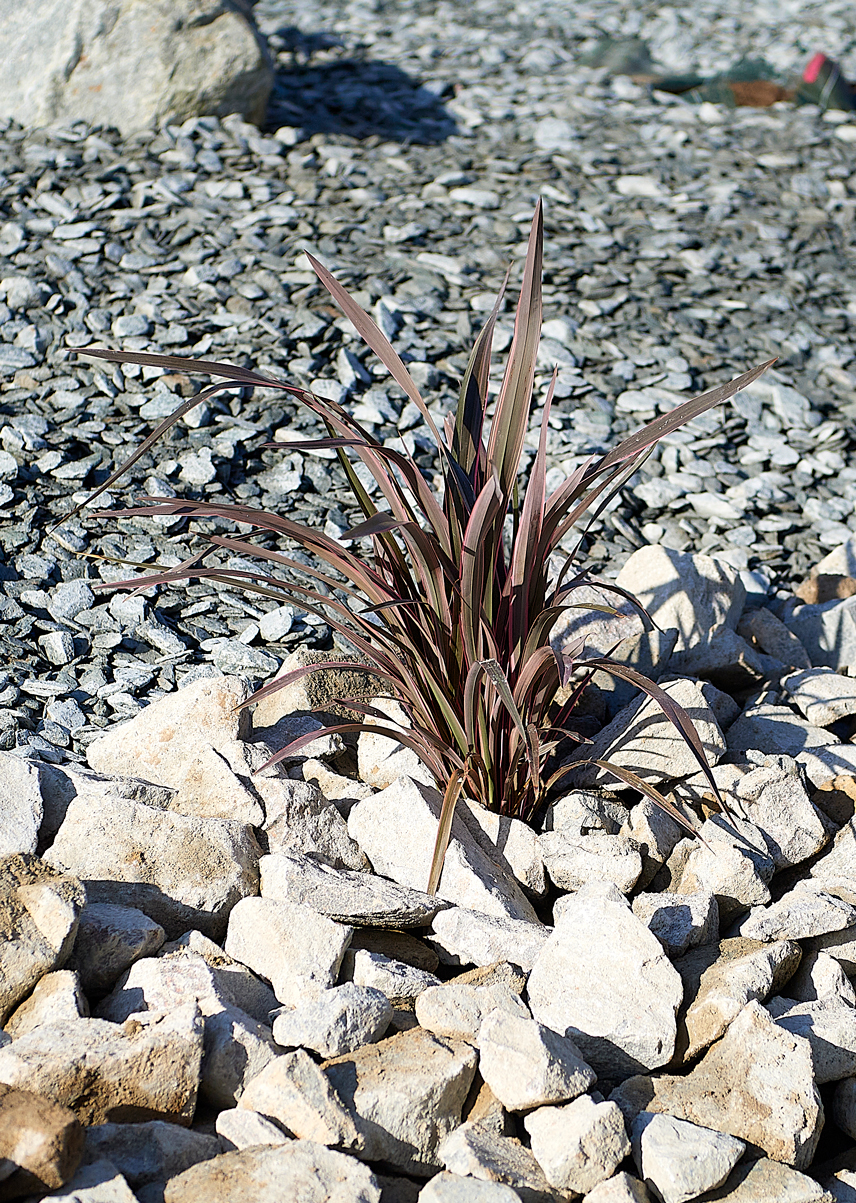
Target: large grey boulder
[131, 65]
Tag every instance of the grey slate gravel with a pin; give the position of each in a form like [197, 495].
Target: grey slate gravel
[407, 149]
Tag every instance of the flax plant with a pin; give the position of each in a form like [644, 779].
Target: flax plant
[448, 598]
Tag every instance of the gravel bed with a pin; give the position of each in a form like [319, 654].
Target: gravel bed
[407, 145]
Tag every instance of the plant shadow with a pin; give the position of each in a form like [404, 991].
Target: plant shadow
[350, 95]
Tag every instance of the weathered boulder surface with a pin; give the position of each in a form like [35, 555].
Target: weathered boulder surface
[131, 65]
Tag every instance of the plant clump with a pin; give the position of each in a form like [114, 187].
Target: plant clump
[449, 599]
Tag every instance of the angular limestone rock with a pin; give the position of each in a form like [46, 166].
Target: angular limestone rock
[733, 864]
[397, 829]
[507, 842]
[56, 998]
[150, 1152]
[766, 1181]
[149, 1066]
[405, 1095]
[574, 860]
[807, 910]
[300, 1169]
[293, 1091]
[239, 1128]
[465, 937]
[822, 695]
[756, 1083]
[580, 1145]
[297, 950]
[720, 979]
[39, 914]
[343, 895]
[527, 1065]
[697, 594]
[619, 1011]
[181, 872]
[338, 1021]
[161, 741]
[301, 821]
[133, 68]
[238, 985]
[456, 1009]
[400, 982]
[772, 797]
[236, 1047]
[641, 738]
[682, 1160]
[679, 921]
[109, 939]
[830, 1028]
[21, 805]
[43, 1139]
[476, 1152]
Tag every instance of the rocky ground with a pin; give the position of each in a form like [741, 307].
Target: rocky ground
[407, 146]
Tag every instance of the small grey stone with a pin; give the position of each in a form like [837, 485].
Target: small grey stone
[68, 599]
[823, 696]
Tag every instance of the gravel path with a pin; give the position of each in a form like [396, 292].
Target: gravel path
[407, 146]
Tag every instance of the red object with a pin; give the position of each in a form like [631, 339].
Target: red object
[814, 68]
